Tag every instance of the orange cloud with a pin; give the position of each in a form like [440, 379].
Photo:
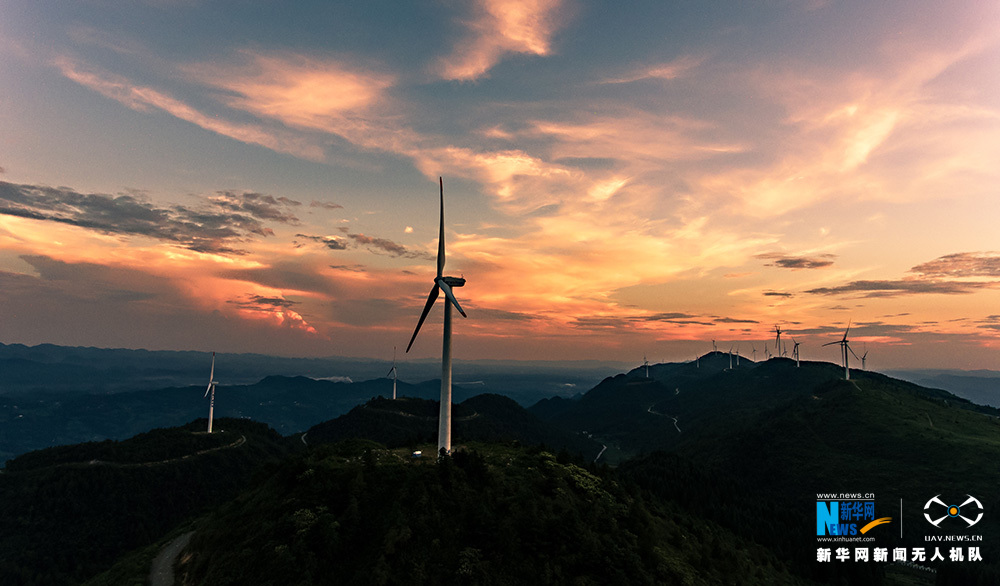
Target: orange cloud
[307, 92]
[499, 27]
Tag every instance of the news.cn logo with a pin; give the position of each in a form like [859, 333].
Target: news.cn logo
[845, 517]
[950, 512]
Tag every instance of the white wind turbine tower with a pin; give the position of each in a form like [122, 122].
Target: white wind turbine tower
[737, 355]
[864, 357]
[392, 371]
[754, 350]
[714, 347]
[646, 364]
[211, 389]
[730, 358]
[445, 284]
[795, 352]
[777, 340]
[845, 347]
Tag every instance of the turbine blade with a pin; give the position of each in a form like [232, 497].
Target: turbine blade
[848, 329]
[207, 390]
[832, 343]
[427, 308]
[440, 266]
[451, 297]
[211, 374]
[852, 352]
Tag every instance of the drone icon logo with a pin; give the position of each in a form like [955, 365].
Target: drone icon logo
[955, 511]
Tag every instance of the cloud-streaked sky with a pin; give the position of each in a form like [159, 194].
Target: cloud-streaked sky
[619, 181]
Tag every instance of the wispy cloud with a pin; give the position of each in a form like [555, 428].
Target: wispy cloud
[309, 92]
[499, 27]
[962, 264]
[797, 262]
[903, 287]
[142, 98]
[670, 70]
[372, 243]
[226, 220]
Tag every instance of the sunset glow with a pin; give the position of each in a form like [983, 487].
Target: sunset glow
[619, 181]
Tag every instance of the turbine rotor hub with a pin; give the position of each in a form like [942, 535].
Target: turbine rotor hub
[454, 281]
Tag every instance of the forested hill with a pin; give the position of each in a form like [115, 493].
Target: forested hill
[356, 514]
[67, 513]
[483, 418]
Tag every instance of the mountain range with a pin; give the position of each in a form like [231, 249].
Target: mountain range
[715, 476]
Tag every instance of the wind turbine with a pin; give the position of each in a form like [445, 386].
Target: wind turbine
[863, 357]
[392, 371]
[646, 364]
[795, 352]
[777, 340]
[845, 347]
[442, 283]
[211, 389]
[754, 349]
[737, 355]
[714, 347]
[730, 358]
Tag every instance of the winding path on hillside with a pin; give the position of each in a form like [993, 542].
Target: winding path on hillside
[474, 415]
[650, 411]
[161, 573]
[235, 444]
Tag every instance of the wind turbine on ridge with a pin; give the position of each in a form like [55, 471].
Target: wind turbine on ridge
[392, 371]
[445, 284]
[754, 349]
[795, 352]
[646, 364]
[211, 389]
[864, 357]
[845, 347]
[777, 340]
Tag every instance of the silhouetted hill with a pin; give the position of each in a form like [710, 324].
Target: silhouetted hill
[68, 513]
[483, 418]
[288, 404]
[488, 515]
[774, 433]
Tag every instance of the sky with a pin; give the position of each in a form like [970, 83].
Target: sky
[619, 182]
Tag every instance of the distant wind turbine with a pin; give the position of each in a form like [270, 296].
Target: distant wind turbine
[442, 283]
[737, 355]
[845, 347]
[795, 352]
[646, 364]
[714, 347]
[777, 339]
[211, 389]
[730, 358]
[863, 358]
[392, 371]
[754, 350]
